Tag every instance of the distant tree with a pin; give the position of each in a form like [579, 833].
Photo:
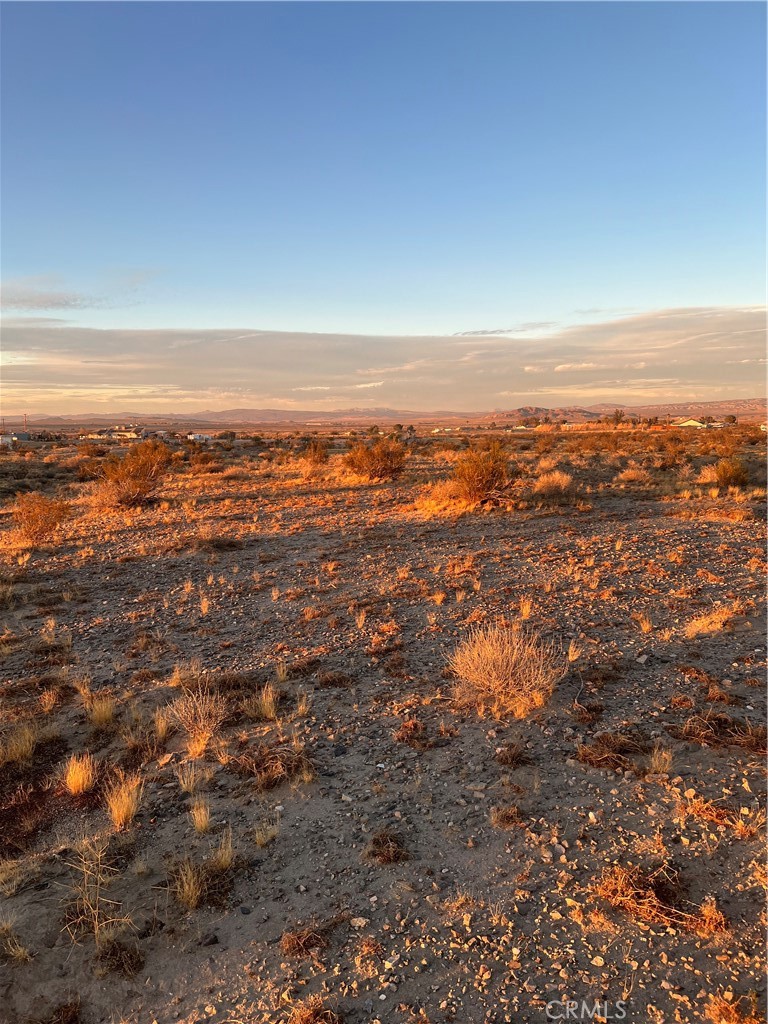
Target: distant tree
[729, 419]
[617, 417]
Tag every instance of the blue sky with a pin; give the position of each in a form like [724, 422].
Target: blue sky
[380, 169]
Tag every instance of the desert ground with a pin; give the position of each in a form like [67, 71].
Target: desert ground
[281, 741]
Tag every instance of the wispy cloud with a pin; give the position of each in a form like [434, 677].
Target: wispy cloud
[569, 367]
[52, 365]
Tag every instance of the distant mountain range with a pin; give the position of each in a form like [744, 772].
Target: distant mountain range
[746, 409]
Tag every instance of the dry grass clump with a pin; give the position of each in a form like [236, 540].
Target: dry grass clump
[719, 729]
[507, 670]
[505, 817]
[38, 517]
[12, 949]
[634, 474]
[312, 1010]
[720, 1010]
[380, 461]
[192, 777]
[101, 712]
[124, 958]
[302, 942]
[264, 705]
[555, 487]
[13, 875]
[200, 813]
[742, 822]
[193, 883]
[270, 766]
[609, 751]
[200, 712]
[80, 774]
[481, 476]
[132, 479]
[18, 744]
[713, 621]
[512, 755]
[123, 798]
[654, 897]
[267, 831]
[385, 847]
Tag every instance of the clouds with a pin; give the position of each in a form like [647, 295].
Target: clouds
[35, 293]
[119, 289]
[51, 365]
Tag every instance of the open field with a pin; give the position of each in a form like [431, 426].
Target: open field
[282, 743]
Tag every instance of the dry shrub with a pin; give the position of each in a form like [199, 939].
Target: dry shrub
[80, 774]
[481, 476]
[385, 847]
[316, 452]
[132, 479]
[88, 910]
[634, 474]
[200, 712]
[302, 942]
[313, 1011]
[64, 1013]
[37, 517]
[719, 729]
[512, 755]
[555, 487]
[506, 817]
[271, 766]
[742, 822]
[722, 1011]
[731, 472]
[609, 750]
[413, 732]
[654, 897]
[124, 958]
[380, 461]
[508, 670]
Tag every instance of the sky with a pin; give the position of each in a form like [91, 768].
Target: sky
[416, 205]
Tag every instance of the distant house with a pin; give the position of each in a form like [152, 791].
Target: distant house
[200, 438]
[9, 439]
[695, 424]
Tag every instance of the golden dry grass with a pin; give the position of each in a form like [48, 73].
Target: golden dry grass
[506, 670]
[123, 799]
[80, 774]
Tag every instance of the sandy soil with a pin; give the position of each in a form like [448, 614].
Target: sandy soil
[350, 597]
